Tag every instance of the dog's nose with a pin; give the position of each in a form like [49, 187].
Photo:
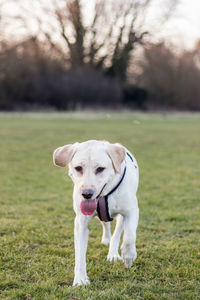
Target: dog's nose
[87, 193]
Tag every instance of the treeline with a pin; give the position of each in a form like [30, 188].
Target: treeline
[33, 77]
[75, 63]
[172, 79]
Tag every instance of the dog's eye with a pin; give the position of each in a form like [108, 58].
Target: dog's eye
[99, 170]
[79, 169]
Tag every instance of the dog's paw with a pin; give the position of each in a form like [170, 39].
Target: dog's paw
[78, 281]
[113, 257]
[105, 241]
[129, 259]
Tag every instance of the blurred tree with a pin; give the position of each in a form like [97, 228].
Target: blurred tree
[171, 78]
[101, 34]
[32, 78]
[106, 43]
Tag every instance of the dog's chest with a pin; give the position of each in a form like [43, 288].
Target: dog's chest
[117, 205]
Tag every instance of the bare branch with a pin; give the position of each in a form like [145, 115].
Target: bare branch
[63, 33]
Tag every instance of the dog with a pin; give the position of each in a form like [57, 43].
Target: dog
[105, 178]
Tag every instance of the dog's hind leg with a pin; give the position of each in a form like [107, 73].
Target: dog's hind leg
[106, 233]
[113, 253]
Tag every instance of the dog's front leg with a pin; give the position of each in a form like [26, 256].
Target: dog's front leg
[128, 248]
[80, 242]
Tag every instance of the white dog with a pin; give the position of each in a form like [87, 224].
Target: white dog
[105, 180]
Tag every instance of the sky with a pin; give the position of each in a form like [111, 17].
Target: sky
[182, 29]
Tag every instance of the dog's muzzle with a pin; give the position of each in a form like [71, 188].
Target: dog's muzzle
[87, 193]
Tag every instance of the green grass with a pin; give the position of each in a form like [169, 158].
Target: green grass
[36, 215]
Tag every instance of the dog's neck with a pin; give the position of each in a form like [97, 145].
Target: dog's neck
[113, 181]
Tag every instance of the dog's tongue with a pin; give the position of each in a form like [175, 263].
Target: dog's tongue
[88, 206]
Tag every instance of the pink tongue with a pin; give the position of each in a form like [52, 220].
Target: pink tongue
[88, 206]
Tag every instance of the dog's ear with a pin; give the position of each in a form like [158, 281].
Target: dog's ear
[62, 156]
[117, 154]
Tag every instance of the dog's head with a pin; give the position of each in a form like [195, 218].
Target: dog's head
[92, 164]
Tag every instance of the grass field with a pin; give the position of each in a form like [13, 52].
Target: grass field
[36, 215]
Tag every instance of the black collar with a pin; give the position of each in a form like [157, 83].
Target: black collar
[102, 204]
